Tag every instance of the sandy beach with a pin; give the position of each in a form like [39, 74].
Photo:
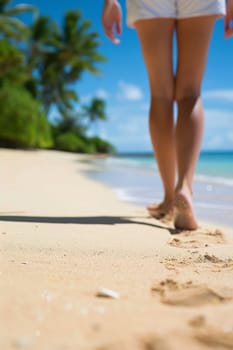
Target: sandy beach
[64, 237]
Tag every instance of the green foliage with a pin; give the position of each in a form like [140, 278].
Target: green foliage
[60, 55]
[39, 66]
[71, 143]
[21, 122]
[44, 133]
[71, 124]
[12, 63]
[95, 110]
[101, 146]
[43, 40]
[10, 25]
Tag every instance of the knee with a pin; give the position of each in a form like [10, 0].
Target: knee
[161, 107]
[161, 111]
[186, 93]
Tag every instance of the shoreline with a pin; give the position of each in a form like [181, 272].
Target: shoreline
[141, 185]
[64, 236]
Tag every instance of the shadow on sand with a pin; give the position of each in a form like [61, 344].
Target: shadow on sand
[84, 220]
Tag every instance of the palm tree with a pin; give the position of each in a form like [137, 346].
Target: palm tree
[79, 46]
[68, 52]
[42, 41]
[10, 26]
[94, 112]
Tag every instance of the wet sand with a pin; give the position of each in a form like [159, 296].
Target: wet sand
[63, 237]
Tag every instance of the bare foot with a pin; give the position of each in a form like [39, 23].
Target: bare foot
[161, 210]
[184, 215]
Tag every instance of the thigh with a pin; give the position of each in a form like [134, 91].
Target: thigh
[156, 38]
[193, 38]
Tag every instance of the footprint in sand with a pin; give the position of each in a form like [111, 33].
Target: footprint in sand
[154, 342]
[214, 261]
[199, 239]
[173, 264]
[211, 262]
[187, 294]
[212, 336]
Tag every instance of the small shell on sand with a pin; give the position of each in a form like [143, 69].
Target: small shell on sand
[23, 342]
[107, 293]
[48, 296]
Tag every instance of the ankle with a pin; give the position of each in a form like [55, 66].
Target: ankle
[184, 186]
[168, 198]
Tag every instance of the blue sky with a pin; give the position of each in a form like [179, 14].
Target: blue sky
[123, 83]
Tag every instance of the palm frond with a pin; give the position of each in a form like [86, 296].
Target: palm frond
[13, 28]
[21, 8]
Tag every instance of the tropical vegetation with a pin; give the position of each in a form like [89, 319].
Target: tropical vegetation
[40, 63]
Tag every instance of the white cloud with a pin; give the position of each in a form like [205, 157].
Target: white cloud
[129, 92]
[223, 95]
[218, 128]
[86, 98]
[125, 92]
[101, 93]
[218, 119]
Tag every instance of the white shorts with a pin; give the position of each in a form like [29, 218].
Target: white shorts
[145, 9]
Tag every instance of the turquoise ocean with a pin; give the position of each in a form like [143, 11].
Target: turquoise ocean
[135, 179]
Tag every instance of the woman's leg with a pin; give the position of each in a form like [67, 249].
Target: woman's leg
[156, 36]
[193, 38]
